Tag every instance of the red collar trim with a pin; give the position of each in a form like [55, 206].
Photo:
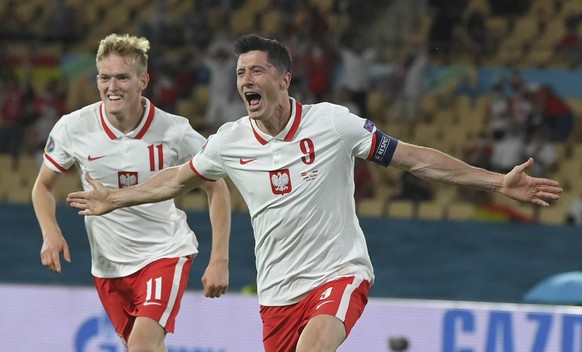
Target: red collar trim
[292, 131]
[106, 128]
[296, 122]
[139, 135]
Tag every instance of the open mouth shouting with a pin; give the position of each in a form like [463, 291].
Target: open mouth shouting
[253, 100]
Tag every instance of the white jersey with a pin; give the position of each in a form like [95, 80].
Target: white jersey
[127, 239]
[299, 188]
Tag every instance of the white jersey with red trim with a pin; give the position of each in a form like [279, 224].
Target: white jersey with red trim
[299, 188]
[127, 239]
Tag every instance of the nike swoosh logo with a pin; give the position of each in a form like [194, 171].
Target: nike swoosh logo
[322, 303]
[91, 158]
[152, 304]
[246, 161]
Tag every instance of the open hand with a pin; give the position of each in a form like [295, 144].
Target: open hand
[518, 185]
[94, 201]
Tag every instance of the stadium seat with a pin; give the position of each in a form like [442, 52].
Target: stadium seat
[552, 216]
[482, 6]
[339, 22]
[461, 210]
[373, 207]
[525, 30]
[242, 21]
[498, 27]
[430, 210]
[401, 209]
[571, 8]
[271, 22]
[324, 6]
[257, 6]
[542, 10]
[510, 52]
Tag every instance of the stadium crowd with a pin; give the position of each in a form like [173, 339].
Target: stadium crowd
[359, 55]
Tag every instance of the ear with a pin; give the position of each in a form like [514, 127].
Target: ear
[144, 81]
[286, 80]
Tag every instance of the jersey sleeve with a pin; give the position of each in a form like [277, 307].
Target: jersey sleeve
[207, 164]
[192, 143]
[57, 151]
[362, 138]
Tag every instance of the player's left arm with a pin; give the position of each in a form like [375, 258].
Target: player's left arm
[433, 165]
[216, 275]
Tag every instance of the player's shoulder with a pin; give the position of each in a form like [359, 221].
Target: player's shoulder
[326, 107]
[82, 117]
[172, 122]
[323, 111]
[232, 128]
[170, 117]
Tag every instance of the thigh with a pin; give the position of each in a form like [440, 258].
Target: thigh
[159, 288]
[344, 298]
[332, 311]
[117, 303]
[147, 335]
[281, 326]
[328, 313]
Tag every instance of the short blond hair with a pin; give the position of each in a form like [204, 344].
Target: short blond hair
[125, 45]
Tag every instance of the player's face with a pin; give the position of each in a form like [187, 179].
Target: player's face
[261, 87]
[120, 85]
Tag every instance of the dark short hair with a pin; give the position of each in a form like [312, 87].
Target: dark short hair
[277, 54]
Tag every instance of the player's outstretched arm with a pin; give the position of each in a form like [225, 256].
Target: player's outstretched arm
[166, 184]
[433, 165]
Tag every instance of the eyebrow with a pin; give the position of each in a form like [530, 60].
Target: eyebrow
[117, 75]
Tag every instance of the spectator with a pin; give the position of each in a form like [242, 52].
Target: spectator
[49, 106]
[164, 88]
[477, 35]
[441, 32]
[570, 45]
[341, 96]
[61, 23]
[12, 26]
[196, 26]
[223, 104]
[497, 113]
[356, 60]
[522, 111]
[413, 85]
[320, 65]
[508, 150]
[479, 153]
[545, 152]
[413, 188]
[15, 113]
[557, 115]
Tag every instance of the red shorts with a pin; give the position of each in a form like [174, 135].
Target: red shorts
[344, 298]
[155, 292]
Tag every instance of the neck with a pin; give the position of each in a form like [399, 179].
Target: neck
[278, 120]
[128, 121]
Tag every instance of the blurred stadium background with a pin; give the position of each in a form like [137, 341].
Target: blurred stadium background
[488, 81]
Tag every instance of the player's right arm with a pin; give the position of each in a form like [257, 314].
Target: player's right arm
[166, 184]
[44, 204]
